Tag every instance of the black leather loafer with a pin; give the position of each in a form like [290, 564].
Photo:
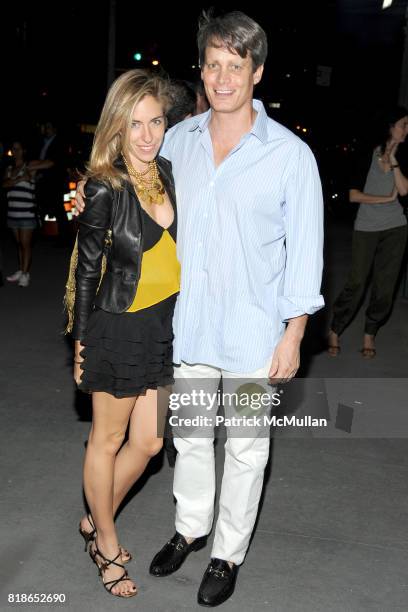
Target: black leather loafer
[218, 583]
[173, 554]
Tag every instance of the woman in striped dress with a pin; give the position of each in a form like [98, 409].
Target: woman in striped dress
[21, 211]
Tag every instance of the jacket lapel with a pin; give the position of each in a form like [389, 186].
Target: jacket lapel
[167, 178]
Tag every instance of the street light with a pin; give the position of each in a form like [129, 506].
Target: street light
[386, 3]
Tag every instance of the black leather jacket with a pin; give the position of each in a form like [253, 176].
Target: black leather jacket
[118, 287]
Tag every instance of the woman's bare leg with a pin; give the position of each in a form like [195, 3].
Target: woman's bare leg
[26, 239]
[368, 350]
[109, 423]
[333, 344]
[16, 234]
[146, 427]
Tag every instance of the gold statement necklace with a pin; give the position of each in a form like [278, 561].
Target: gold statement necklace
[148, 184]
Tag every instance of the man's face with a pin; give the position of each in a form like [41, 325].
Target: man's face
[228, 79]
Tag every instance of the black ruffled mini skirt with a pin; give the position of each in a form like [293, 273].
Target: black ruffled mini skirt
[126, 354]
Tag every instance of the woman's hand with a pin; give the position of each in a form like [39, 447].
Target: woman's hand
[77, 372]
[77, 362]
[393, 153]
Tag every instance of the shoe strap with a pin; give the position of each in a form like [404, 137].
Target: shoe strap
[113, 583]
[90, 521]
[178, 541]
[107, 562]
[219, 567]
[217, 572]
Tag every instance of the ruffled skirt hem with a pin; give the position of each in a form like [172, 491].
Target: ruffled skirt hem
[126, 354]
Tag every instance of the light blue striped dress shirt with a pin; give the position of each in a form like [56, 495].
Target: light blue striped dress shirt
[249, 240]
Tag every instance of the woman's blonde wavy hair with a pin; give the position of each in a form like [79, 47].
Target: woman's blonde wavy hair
[112, 132]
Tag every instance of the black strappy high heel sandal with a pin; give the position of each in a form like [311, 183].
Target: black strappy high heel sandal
[110, 584]
[89, 537]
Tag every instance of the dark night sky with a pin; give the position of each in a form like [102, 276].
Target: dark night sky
[55, 54]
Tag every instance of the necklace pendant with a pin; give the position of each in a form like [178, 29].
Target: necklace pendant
[156, 196]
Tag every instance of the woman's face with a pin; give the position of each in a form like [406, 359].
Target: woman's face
[17, 150]
[399, 130]
[146, 132]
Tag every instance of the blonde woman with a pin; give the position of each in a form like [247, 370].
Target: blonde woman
[123, 329]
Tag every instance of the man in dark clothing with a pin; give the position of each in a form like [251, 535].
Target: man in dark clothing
[51, 180]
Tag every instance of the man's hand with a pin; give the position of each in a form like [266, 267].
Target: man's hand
[286, 360]
[79, 199]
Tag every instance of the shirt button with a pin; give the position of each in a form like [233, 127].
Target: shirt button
[212, 184]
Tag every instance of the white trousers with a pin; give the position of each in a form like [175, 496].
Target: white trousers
[245, 461]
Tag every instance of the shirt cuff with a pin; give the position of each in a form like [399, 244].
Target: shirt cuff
[290, 307]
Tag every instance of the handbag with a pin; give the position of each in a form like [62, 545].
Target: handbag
[70, 287]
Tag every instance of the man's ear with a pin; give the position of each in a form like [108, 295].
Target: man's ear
[258, 74]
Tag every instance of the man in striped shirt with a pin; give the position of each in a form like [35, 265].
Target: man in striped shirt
[250, 242]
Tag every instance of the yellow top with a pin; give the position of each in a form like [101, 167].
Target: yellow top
[159, 276]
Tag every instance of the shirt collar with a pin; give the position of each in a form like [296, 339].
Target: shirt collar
[200, 122]
[259, 128]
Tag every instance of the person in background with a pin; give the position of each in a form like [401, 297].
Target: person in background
[380, 233]
[202, 104]
[51, 180]
[2, 168]
[183, 102]
[21, 211]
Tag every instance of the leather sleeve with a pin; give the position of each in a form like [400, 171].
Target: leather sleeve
[93, 223]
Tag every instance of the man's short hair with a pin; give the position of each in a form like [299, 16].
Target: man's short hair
[235, 31]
